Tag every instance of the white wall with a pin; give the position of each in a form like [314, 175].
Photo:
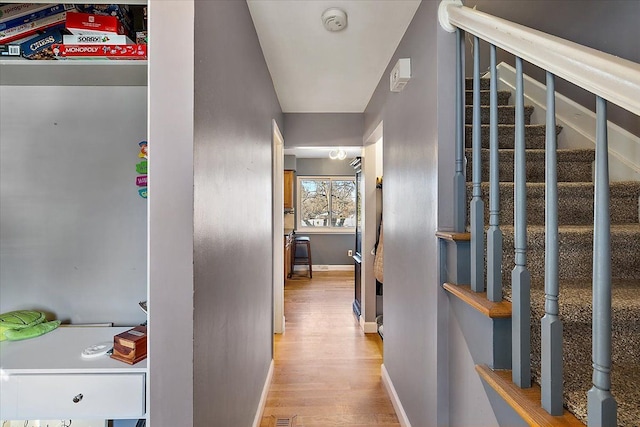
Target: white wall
[170, 384]
[72, 225]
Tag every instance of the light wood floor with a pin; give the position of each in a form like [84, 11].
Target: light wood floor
[327, 371]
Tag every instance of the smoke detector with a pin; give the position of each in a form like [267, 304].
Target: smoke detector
[334, 19]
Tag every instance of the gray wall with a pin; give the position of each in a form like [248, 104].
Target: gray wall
[327, 249]
[235, 103]
[422, 345]
[324, 167]
[72, 225]
[610, 26]
[322, 129]
[410, 211]
[290, 162]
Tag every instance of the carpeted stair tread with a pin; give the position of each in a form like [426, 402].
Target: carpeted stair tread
[574, 165]
[534, 135]
[575, 202]
[575, 301]
[506, 114]
[576, 251]
[575, 312]
[485, 97]
[577, 382]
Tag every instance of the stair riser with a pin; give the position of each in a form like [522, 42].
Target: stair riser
[576, 256]
[485, 97]
[568, 171]
[485, 84]
[506, 114]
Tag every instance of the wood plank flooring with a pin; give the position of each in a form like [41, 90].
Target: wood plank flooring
[326, 370]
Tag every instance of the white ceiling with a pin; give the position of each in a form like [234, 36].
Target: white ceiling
[317, 71]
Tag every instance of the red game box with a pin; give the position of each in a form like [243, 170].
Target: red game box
[85, 23]
[109, 51]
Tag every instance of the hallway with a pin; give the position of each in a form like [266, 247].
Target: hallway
[327, 371]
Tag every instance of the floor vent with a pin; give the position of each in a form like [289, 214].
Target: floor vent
[285, 421]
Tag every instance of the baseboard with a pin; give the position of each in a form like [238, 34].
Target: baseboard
[391, 391]
[578, 125]
[263, 397]
[368, 327]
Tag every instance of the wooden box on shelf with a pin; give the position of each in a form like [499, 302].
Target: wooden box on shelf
[131, 346]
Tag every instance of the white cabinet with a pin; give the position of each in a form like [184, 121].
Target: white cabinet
[75, 396]
[47, 378]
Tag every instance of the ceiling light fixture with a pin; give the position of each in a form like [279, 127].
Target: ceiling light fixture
[338, 154]
[334, 19]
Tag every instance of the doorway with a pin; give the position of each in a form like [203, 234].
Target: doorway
[372, 167]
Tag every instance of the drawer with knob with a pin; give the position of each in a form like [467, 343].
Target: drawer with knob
[112, 395]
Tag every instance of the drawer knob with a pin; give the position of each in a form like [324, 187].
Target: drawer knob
[78, 398]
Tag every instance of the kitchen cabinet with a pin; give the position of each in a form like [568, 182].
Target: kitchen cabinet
[288, 240]
[288, 189]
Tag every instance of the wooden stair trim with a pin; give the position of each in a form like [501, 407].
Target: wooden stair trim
[453, 236]
[525, 401]
[479, 301]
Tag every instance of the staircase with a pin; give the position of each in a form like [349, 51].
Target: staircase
[575, 219]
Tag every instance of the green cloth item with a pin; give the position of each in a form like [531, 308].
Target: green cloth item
[24, 324]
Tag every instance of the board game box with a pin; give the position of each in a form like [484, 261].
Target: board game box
[34, 15]
[40, 46]
[124, 13]
[11, 10]
[120, 51]
[85, 23]
[105, 38]
[14, 33]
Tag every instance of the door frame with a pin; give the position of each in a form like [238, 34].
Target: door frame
[278, 229]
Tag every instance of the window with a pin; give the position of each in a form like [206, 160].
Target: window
[327, 204]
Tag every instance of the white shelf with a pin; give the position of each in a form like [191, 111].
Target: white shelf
[75, 72]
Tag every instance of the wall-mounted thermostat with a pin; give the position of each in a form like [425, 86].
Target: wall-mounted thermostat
[400, 75]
